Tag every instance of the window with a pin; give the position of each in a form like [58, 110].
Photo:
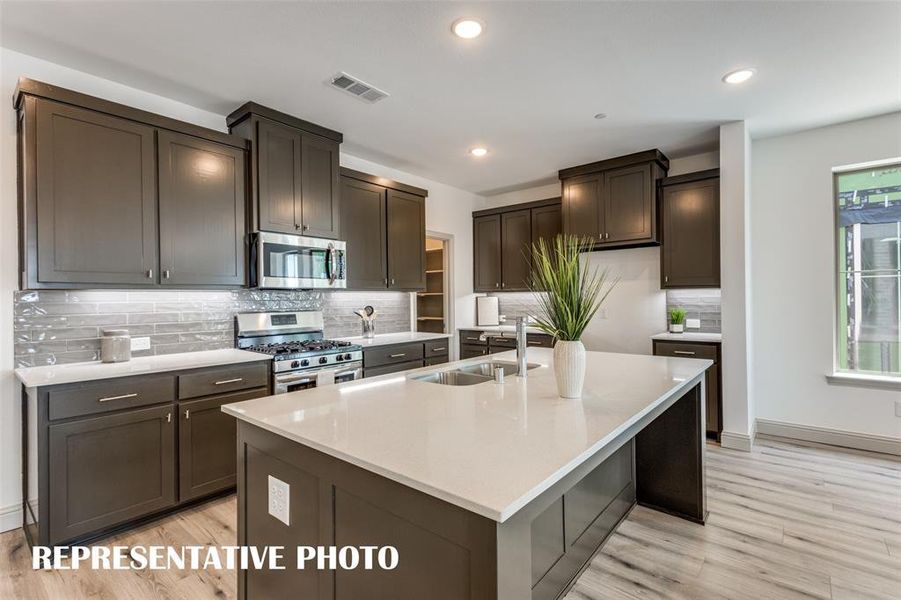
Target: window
[868, 217]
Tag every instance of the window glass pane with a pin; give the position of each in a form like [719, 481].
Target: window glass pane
[869, 263]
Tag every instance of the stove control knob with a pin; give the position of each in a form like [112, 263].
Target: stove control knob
[339, 357]
[304, 363]
[322, 360]
[295, 364]
[347, 357]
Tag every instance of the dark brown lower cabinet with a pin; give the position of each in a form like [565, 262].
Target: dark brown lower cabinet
[712, 380]
[394, 358]
[206, 445]
[110, 469]
[110, 452]
[472, 350]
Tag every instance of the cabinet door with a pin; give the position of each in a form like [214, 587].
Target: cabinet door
[363, 225]
[581, 205]
[202, 208]
[691, 235]
[96, 198]
[279, 177]
[472, 350]
[516, 240]
[547, 223]
[629, 214]
[486, 254]
[320, 203]
[110, 469]
[207, 444]
[406, 241]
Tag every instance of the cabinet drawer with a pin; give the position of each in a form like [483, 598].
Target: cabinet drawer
[501, 342]
[436, 347]
[109, 395]
[470, 336]
[685, 350]
[223, 379]
[472, 350]
[393, 368]
[388, 355]
[539, 340]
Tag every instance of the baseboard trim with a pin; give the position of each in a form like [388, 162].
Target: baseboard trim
[10, 517]
[736, 441]
[831, 437]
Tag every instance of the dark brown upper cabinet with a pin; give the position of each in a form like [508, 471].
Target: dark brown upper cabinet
[516, 240]
[383, 224]
[202, 208]
[107, 191]
[614, 201]
[294, 173]
[364, 226]
[502, 242]
[690, 254]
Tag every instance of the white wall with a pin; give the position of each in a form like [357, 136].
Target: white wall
[447, 210]
[694, 162]
[793, 269]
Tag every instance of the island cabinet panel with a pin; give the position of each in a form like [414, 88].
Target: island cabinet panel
[487, 253]
[516, 234]
[406, 241]
[110, 469]
[364, 226]
[95, 186]
[690, 213]
[202, 210]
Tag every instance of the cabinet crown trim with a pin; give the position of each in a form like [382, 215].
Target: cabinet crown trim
[384, 182]
[690, 177]
[617, 162]
[39, 89]
[252, 108]
[514, 207]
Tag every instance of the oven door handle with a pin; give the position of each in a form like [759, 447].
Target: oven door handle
[294, 378]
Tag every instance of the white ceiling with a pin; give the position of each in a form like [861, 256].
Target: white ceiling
[527, 89]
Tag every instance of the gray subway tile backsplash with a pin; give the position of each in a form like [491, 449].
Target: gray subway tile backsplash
[703, 304]
[58, 326]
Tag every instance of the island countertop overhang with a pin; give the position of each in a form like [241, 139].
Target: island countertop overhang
[487, 448]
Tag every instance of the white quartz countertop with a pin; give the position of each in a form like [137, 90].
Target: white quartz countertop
[88, 371]
[488, 448]
[388, 339]
[688, 336]
[511, 329]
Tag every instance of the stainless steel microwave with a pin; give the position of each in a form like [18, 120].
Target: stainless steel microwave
[291, 262]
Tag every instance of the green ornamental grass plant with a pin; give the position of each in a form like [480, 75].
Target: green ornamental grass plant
[677, 316]
[568, 292]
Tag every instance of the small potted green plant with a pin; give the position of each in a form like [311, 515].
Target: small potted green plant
[677, 320]
[569, 293]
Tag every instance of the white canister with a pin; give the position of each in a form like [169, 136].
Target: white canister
[115, 346]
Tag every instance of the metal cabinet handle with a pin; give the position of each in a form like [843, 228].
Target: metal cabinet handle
[473, 339]
[503, 284]
[397, 355]
[166, 274]
[149, 273]
[305, 227]
[188, 413]
[439, 349]
[122, 397]
[168, 417]
[606, 236]
[497, 285]
[685, 352]
[386, 281]
[297, 226]
[224, 381]
[665, 278]
[392, 281]
[533, 344]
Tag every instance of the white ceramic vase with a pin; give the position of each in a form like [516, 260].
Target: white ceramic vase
[569, 368]
[676, 327]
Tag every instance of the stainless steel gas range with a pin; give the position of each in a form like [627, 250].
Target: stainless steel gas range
[302, 357]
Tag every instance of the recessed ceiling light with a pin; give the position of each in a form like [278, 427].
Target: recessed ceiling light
[467, 28]
[739, 76]
[478, 152]
[601, 116]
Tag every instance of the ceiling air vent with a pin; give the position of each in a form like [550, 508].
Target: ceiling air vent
[359, 89]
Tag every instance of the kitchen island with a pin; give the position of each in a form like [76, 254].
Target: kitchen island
[488, 491]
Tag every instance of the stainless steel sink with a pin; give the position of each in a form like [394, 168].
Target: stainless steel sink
[453, 378]
[486, 369]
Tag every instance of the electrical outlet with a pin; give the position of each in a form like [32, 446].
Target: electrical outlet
[692, 323]
[279, 500]
[897, 408]
[140, 343]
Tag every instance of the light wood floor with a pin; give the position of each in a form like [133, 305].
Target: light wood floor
[786, 521]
